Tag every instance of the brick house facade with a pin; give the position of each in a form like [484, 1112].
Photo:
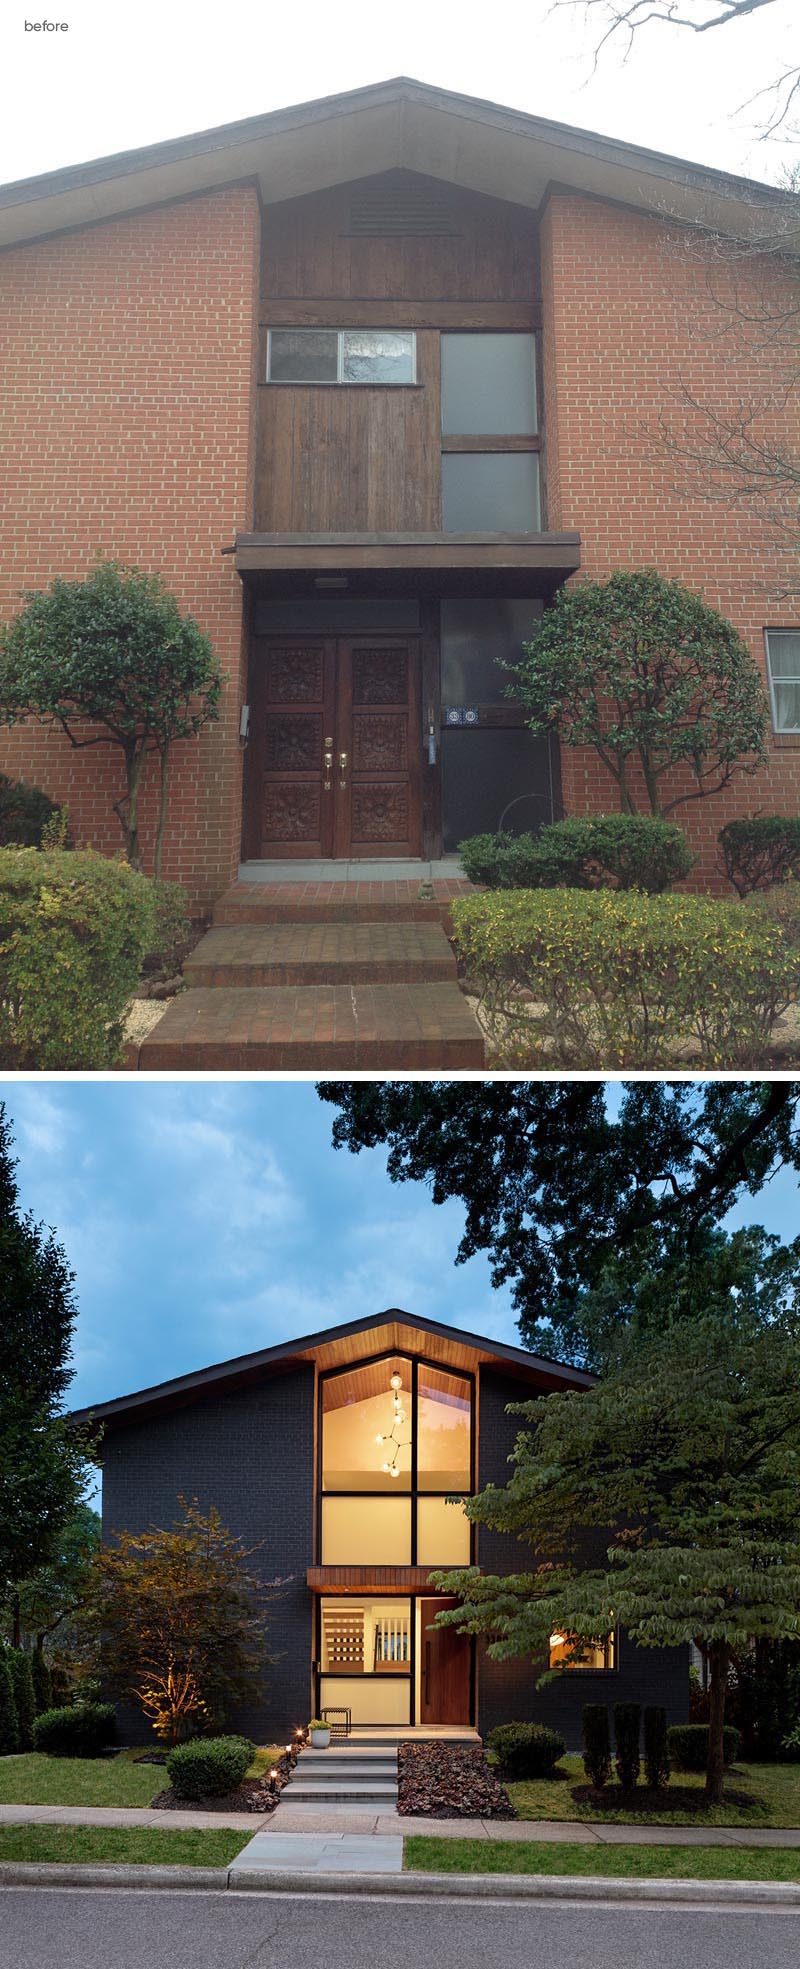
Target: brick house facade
[304, 522]
[284, 1444]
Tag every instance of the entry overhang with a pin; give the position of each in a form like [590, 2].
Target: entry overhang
[401, 1580]
[365, 562]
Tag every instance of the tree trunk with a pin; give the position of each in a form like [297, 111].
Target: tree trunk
[163, 799]
[719, 1656]
[16, 1628]
[127, 810]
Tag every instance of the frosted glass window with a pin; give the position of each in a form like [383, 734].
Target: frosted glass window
[366, 1531]
[488, 385]
[783, 658]
[479, 637]
[370, 1699]
[442, 1533]
[303, 355]
[341, 355]
[490, 492]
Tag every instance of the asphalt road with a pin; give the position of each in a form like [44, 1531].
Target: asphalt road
[78, 1928]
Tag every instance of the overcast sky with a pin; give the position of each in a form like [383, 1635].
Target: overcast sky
[125, 75]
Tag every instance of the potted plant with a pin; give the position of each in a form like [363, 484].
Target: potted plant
[319, 1733]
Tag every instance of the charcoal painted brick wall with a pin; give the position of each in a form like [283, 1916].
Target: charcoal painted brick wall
[249, 1452]
[507, 1689]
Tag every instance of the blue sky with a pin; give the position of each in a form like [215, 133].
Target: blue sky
[207, 1219]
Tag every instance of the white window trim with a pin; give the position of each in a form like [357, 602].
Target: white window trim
[781, 731]
[341, 381]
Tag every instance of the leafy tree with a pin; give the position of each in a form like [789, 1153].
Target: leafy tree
[111, 660]
[176, 1621]
[42, 1682]
[19, 1668]
[587, 1208]
[690, 1449]
[9, 1725]
[50, 1597]
[42, 1461]
[651, 677]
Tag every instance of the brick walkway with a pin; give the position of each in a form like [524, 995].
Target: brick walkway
[321, 976]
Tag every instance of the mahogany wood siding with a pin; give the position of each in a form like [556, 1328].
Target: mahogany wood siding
[333, 458]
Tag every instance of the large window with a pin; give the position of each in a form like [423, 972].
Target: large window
[366, 1658]
[490, 441]
[783, 664]
[396, 1445]
[341, 355]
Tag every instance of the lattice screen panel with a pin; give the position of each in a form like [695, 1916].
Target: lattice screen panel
[344, 1639]
[392, 1641]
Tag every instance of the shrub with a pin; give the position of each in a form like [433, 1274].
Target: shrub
[73, 932]
[621, 851]
[42, 1682]
[24, 1699]
[596, 1744]
[656, 1752]
[170, 927]
[601, 981]
[81, 1731]
[9, 1725]
[526, 1750]
[24, 813]
[779, 906]
[210, 1768]
[688, 1745]
[760, 851]
[627, 1730]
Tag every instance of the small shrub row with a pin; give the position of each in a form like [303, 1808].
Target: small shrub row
[83, 1730]
[74, 929]
[688, 1745]
[760, 851]
[627, 1738]
[525, 1750]
[621, 851]
[210, 1767]
[613, 980]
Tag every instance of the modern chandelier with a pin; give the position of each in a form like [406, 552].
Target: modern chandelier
[394, 1442]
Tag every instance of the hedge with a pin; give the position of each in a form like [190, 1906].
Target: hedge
[526, 1750]
[779, 907]
[627, 1732]
[209, 1768]
[82, 1730]
[9, 1722]
[73, 932]
[688, 1745]
[609, 980]
[656, 1750]
[42, 1681]
[760, 851]
[621, 851]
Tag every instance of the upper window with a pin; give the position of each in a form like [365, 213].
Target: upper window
[783, 664]
[490, 443]
[488, 385]
[341, 355]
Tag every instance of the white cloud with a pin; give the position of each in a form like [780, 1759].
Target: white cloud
[41, 1121]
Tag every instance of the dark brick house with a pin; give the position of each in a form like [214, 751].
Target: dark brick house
[335, 1455]
[365, 380]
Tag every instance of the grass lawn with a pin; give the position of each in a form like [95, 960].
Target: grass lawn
[432, 1855]
[93, 1845]
[765, 1795]
[38, 1780]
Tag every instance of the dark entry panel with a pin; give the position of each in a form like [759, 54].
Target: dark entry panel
[445, 1668]
[493, 777]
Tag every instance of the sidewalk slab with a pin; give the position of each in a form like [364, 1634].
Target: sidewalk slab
[126, 1815]
[348, 1852]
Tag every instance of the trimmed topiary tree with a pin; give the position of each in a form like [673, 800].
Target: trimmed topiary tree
[111, 660]
[627, 1730]
[656, 1748]
[9, 1724]
[24, 1699]
[209, 1769]
[651, 677]
[596, 1744]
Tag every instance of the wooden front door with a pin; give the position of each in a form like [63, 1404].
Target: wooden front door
[336, 748]
[446, 1669]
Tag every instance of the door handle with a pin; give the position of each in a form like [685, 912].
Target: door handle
[342, 767]
[427, 1668]
[328, 756]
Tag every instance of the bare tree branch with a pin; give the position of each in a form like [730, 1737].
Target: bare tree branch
[621, 20]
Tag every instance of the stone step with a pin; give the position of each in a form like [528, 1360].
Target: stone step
[333, 902]
[321, 953]
[327, 1764]
[321, 1791]
[374, 1027]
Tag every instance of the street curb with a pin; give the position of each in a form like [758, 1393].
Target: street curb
[439, 1886]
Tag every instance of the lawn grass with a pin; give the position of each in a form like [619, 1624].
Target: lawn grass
[766, 1795]
[94, 1845]
[38, 1780]
[431, 1855]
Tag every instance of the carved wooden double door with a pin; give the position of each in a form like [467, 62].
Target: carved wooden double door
[336, 747]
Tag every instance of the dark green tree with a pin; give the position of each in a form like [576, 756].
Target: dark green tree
[43, 1462]
[24, 1698]
[598, 1211]
[9, 1726]
[651, 677]
[42, 1681]
[50, 1597]
[682, 1465]
[111, 660]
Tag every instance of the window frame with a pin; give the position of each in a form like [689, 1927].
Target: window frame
[499, 443]
[779, 731]
[413, 1493]
[339, 381]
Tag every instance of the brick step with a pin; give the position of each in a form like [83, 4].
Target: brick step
[315, 1028]
[334, 902]
[321, 953]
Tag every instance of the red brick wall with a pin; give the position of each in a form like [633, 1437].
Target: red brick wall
[127, 431]
[626, 300]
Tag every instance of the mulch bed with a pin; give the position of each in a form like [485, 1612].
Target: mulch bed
[252, 1795]
[449, 1781]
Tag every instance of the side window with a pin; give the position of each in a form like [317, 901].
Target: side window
[783, 668]
[341, 355]
[490, 437]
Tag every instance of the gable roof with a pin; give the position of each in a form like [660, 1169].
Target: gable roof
[341, 1346]
[389, 125]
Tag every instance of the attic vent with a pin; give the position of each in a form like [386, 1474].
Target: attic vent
[401, 209]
